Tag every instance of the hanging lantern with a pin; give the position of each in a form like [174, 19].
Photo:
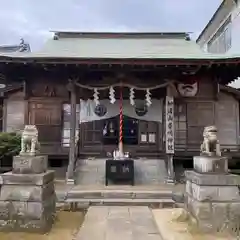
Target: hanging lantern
[141, 109]
[100, 110]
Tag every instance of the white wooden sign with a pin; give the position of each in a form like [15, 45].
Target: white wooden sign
[169, 125]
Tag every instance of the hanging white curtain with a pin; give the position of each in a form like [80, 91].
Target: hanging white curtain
[87, 113]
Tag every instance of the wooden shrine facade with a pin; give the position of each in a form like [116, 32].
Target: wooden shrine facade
[189, 84]
[45, 100]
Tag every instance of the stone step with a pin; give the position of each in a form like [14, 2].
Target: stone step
[118, 194]
[146, 172]
[160, 203]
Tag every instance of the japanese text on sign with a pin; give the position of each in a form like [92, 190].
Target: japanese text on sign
[169, 125]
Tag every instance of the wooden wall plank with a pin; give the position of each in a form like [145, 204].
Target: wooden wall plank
[15, 114]
[227, 109]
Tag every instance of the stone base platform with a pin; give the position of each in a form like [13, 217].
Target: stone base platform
[170, 228]
[27, 202]
[213, 200]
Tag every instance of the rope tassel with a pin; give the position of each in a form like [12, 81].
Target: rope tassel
[120, 146]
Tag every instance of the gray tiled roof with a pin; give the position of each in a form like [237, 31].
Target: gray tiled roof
[119, 48]
[15, 48]
[115, 46]
[9, 49]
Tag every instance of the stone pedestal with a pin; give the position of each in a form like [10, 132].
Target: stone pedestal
[30, 164]
[210, 164]
[27, 196]
[213, 199]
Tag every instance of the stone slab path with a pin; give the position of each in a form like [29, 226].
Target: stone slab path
[119, 223]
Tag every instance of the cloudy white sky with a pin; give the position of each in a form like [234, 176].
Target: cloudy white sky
[32, 19]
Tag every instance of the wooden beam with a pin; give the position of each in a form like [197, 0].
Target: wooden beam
[71, 163]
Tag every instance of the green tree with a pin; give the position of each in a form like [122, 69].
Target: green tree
[10, 144]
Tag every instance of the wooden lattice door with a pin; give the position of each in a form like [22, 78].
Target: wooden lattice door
[47, 117]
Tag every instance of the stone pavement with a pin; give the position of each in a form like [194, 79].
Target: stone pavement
[118, 223]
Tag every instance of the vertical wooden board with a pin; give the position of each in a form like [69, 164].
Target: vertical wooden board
[206, 89]
[192, 114]
[160, 136]
[180, 124]
[195, 135]
[15, 110]
[199, 115]
[48, 119]
[98, 127]
[226, 119]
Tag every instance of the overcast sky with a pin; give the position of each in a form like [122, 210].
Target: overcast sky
[32, 19]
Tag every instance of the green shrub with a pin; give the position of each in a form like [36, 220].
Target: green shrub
[10, 144]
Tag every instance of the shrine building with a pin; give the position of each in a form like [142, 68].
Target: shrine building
[170, 90]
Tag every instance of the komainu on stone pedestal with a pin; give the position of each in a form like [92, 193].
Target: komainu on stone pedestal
[210, 160]
[29, 141]
[210, 145]
[212, 197]
[27, 196]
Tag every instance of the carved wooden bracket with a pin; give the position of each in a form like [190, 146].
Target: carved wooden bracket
[49, 91]
[71, 86]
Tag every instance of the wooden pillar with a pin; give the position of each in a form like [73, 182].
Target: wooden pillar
[71, 162]
[170, 138]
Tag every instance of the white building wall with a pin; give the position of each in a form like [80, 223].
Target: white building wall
[235, 31]
[235, 49]
[235, 37]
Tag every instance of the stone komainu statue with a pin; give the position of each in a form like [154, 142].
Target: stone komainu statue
[210, 145]
[29, 140]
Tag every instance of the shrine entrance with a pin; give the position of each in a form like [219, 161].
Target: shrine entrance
[121, 118]
[140, 137]
[111, 131]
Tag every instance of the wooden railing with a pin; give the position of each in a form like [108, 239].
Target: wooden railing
[196, 147]
[231, 150]
[56, 148]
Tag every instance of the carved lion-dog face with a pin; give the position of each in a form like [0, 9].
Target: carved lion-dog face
[188, 88]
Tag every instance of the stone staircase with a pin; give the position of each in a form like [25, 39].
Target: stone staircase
[90, 189]
[146, 171]
[120, 197]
